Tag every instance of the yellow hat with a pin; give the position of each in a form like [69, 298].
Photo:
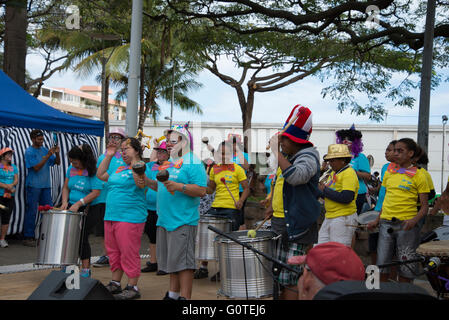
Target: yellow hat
[337, 151]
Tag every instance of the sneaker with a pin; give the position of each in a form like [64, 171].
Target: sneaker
[167, 297]
[215, 277]
[29, 242]
[161, 273]
[201, 273]
[85, 273]
[128, 293]
[151, 267]
[103, 261]
[114, 288]
[3, 243]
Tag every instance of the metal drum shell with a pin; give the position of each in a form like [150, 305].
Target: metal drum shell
[59, 237]
[204, 245]
[259, 281]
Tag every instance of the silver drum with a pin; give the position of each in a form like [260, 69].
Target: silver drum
[244, 273]
[204, 245]
[59, 237]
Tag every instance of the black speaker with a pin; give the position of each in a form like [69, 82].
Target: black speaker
[54, 288]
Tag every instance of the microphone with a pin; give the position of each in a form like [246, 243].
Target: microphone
[433, 263]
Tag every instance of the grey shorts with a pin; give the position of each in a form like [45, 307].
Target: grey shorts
[393, 240]
[175, 250]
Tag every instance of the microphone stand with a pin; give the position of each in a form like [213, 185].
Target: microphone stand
[277, 264]
[397, 263]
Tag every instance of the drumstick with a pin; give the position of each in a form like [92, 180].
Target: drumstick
[357, 226]
[264, 220]
[287, 126]
[224, 182]
[253, 233]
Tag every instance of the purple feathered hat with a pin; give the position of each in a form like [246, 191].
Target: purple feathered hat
[352, 135]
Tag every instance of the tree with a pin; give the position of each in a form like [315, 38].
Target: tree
[270, 61]
[397, 22]
[15, 41]
[18, 16]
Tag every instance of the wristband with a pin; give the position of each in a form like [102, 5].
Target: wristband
[82, 201]
[184, 188]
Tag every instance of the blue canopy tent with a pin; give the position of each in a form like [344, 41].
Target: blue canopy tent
[21, 113]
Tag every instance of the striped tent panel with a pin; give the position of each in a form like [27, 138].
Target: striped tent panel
[19, 140]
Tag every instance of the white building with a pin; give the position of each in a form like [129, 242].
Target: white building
[375, 140]
[85, 102]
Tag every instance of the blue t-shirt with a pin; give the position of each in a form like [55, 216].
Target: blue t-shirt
[41, 178]
[80, 185]
[151, 195]
[125, 202]
[268, 181]
[361, 163]
[114, 164]
[236, 160]
[180, 209]
[381, 196]
[7, 176]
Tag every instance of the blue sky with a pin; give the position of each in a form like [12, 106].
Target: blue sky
[219, 101]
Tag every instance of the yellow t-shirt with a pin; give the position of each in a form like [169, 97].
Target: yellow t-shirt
[344, 180]
[278, 200]
[233, 178]
[428, 179]
[401, 194]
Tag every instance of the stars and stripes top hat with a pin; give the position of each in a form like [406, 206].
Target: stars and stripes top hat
[299, 131]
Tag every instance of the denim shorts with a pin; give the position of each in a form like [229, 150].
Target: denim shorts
[393, 240]
[232, 214]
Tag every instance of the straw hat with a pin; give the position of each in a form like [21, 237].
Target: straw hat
[335, 151]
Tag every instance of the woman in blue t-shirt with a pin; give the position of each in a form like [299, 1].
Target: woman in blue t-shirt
[8, 182]
[81, 187]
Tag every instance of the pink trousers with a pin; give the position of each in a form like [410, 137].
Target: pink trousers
[122, 242]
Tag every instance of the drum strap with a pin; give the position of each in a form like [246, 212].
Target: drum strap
[446, 285]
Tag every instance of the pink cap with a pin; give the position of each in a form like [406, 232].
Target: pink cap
[117, 130]
[331, 262]
[5, 150]
[162, 146]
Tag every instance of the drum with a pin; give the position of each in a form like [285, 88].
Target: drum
[244, 273]
[266, 225]
[368, 216]
[59, 237]
[438, 278]
[204, 244]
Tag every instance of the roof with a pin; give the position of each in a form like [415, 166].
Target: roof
[89, 96]
[20, 109]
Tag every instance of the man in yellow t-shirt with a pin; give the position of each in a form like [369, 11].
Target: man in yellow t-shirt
[339, 193]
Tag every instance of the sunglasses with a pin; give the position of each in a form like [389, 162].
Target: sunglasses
[173, 141]
[116, 138]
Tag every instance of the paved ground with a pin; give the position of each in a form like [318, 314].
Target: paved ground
[19, 277]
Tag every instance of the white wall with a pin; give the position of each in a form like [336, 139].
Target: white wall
[375, 140]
